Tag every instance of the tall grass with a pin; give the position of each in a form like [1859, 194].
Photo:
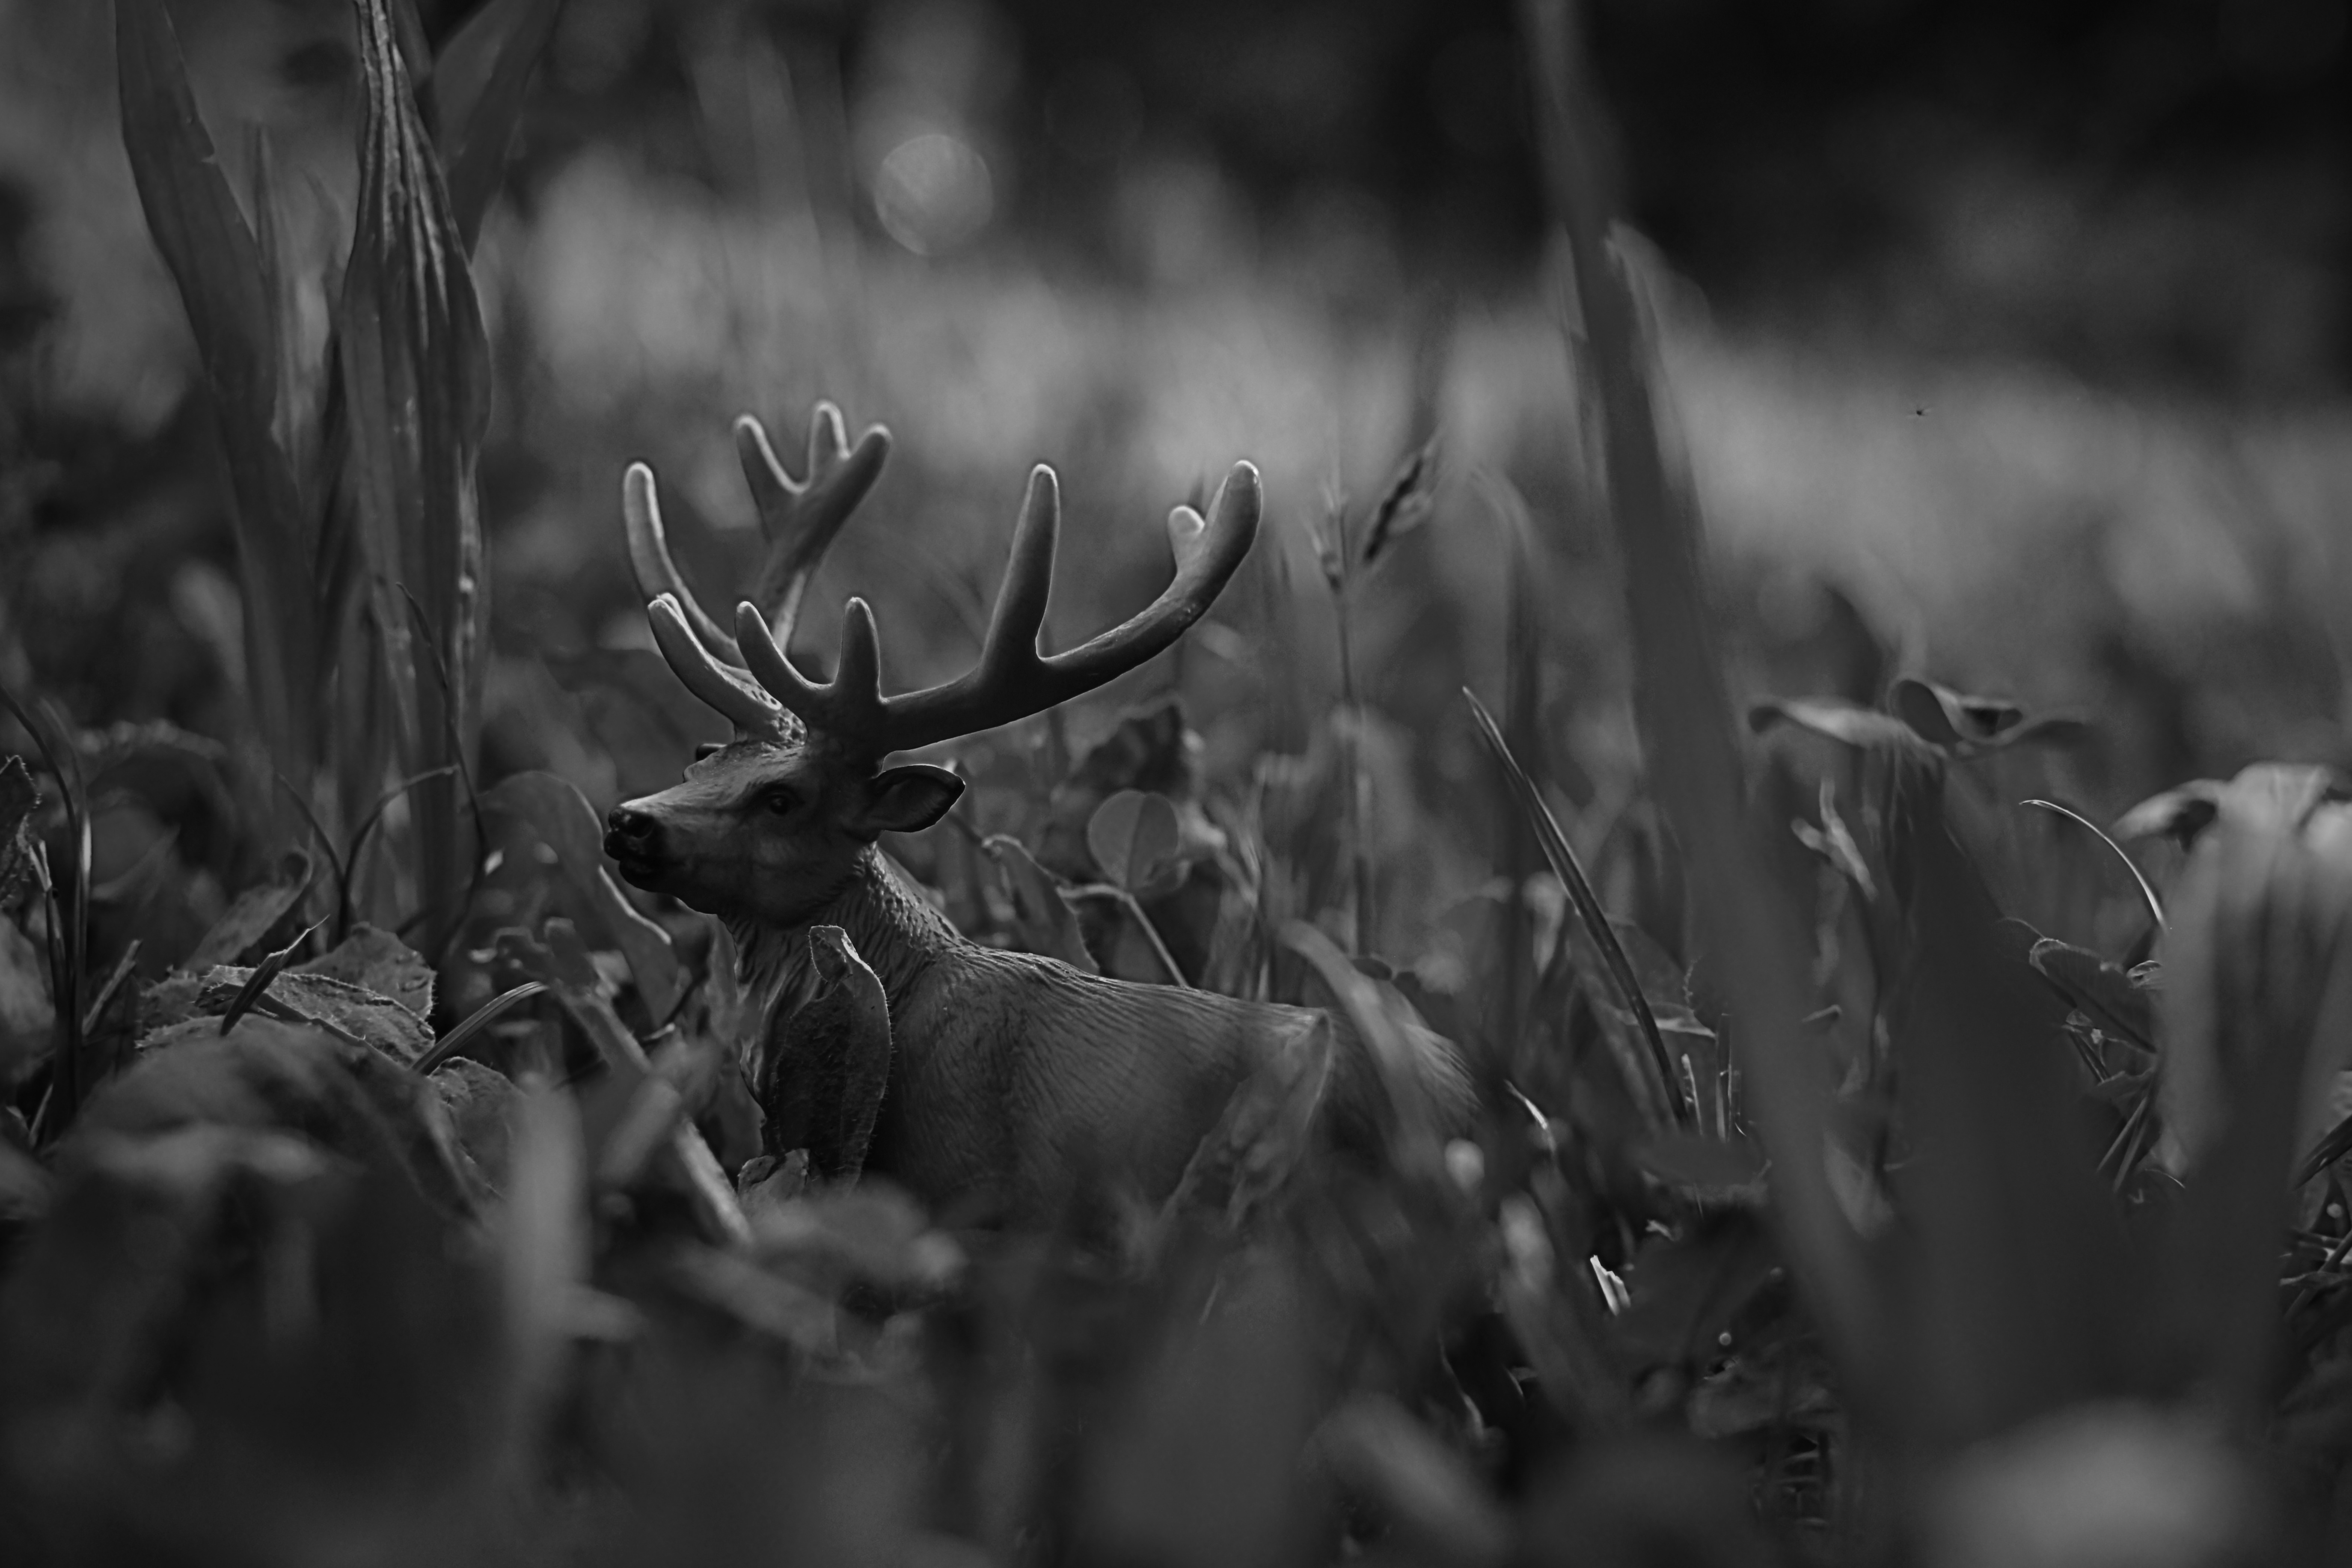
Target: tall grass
[1846, 1219]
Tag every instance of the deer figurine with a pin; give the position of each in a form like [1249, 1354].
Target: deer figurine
[1014, 1083]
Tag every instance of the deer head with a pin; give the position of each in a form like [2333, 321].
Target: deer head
[770, 826]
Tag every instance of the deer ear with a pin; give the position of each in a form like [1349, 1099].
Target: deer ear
[909, 798]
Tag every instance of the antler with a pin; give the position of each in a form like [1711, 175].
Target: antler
[798, 519]
[1012, 679]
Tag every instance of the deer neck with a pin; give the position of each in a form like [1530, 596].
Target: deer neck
[895, 930]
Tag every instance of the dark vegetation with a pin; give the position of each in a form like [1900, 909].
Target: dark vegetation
[1870, 1167]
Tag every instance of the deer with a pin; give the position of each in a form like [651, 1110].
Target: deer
[1016, 1084]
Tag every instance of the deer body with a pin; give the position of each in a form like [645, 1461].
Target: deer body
[1014, 1083]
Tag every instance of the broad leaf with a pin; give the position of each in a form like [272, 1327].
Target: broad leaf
[1135, 838]
[379, 962]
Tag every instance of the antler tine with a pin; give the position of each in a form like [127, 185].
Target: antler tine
[1012, 681]
[850, 706]
[800, 518]
[752, 712]
[1020, 612]
[657, 575]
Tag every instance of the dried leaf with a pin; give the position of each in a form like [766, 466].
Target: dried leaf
[258, 912]
[362, 1015]
[379, 962]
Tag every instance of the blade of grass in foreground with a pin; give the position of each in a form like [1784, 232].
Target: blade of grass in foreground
[1753, 932]
[1661, 1086]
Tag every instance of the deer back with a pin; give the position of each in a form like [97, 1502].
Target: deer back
[1033, 1081]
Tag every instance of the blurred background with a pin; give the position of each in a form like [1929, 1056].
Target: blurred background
[2008, 344]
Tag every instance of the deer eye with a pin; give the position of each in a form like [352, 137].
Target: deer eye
[777, 802]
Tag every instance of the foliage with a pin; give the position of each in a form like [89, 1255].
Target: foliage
[1819, 1204]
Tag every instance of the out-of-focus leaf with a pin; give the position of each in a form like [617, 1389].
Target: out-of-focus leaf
[27, 1016]
[1382, 1023]
[2279, 794]
[2114, 1481]
[1406, 501]
[871, 1234]
[24, 1186]
[782, 1308]
[478, 84]
[1421, 1488]
[1966, 724]
[1226, 1400]
[562, 816]
[1859, 727]
[415, 382]
[1043, 920]
[19, 800]
[482, 1104]
[543, 1244]
[2020, 1271]
[1718, 1170]
[2256, 1016]
[1134, 839]
[379, 962]
[1688, 1288]
[561, 964]
[258, 912]
[1266, 1130]
[1557, 1321]
[269, 1074]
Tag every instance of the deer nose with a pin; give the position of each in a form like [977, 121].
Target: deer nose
[630, 834]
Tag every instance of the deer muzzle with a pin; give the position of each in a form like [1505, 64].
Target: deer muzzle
[632, 837]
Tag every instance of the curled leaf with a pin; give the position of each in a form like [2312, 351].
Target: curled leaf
[1966, 724]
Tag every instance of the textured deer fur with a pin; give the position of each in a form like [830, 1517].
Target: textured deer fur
[1014, 1083]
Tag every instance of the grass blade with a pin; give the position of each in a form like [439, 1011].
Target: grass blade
[499, 49]
[2147, 893]
[1686, 721]
[1664, 1091]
